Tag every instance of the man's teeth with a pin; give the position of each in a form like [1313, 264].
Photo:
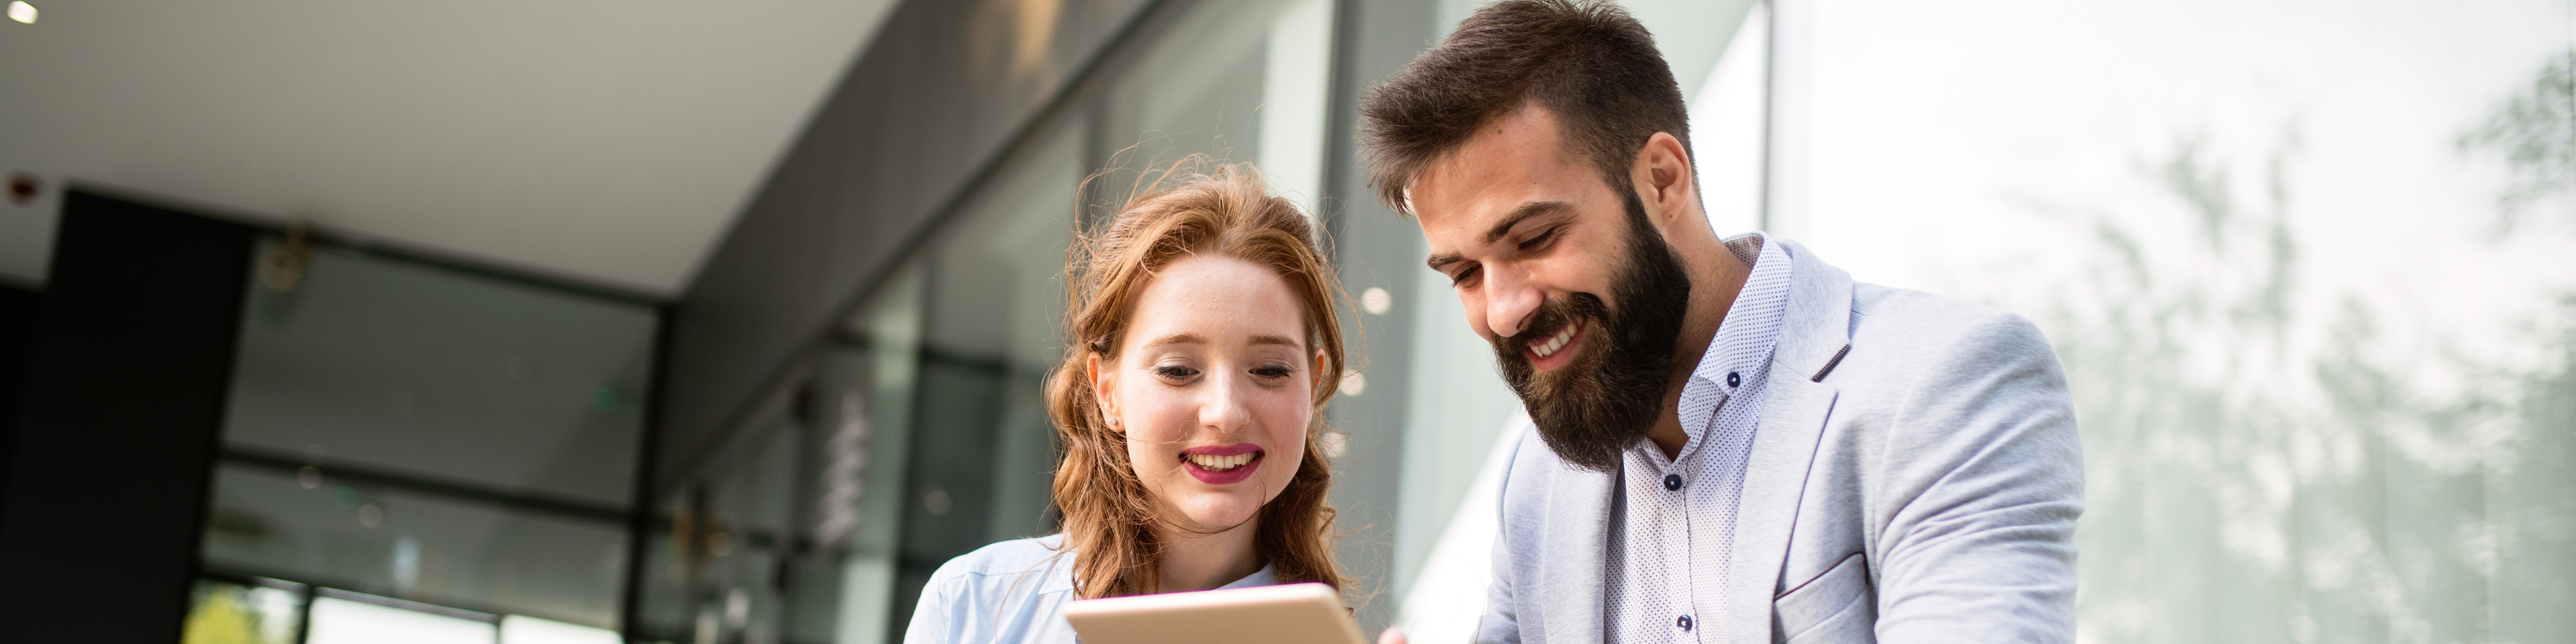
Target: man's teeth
[1216, 463]
[1544, 349]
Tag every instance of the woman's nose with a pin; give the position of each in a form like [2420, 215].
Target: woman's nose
[1223, 409]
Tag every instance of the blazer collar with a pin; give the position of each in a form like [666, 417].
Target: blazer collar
[1817, 324]
[1815, 331]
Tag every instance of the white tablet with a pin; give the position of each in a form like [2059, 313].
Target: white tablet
[1284, 614]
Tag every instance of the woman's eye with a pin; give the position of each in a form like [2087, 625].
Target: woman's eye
[1175, 372]
[1273, 371]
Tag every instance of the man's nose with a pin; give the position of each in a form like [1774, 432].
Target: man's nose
[1510, 301]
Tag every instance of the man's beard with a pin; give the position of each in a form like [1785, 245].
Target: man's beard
[1612, 393]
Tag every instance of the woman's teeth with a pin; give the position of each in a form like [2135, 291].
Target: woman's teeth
[1214, 463]
[1545, 349]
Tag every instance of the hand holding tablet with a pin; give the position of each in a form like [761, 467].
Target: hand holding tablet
[1283, 614]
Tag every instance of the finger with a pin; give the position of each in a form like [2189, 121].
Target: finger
[1391, 636]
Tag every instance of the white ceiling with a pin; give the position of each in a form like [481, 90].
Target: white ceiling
[609, 141]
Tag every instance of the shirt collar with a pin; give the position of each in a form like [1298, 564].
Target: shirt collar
[1745, 340]
[1268, 575]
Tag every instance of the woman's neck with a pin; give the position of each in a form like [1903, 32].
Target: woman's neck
[1204, 561]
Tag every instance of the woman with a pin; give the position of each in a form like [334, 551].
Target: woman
[1202, 349]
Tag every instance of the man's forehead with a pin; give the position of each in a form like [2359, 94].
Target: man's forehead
[1468, 194]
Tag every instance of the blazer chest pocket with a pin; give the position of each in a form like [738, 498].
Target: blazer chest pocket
[1834, 607]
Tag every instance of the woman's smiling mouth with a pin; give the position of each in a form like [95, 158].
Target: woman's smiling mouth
[1220, 465]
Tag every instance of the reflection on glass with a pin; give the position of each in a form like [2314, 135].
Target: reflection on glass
[381, 364]
[2309, 269]
[223, 612]
[522, 629]
[419, 432]
[339, 620]
[981, 467]
[420, 546]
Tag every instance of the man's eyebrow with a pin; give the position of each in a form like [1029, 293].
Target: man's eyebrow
[1444, 259]
[1526, 211]
[1504, 227]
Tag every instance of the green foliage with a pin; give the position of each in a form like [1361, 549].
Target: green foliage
[2535, 133]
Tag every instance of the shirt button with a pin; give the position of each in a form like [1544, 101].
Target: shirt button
[1672, 481]
[1733, 380]
[1684, 622]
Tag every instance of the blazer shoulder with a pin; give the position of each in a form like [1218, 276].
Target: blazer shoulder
[1908, 314]
[1907, 334]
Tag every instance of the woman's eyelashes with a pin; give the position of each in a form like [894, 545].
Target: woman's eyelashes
[1175, 373]
[1268, 373]
[1274, 371]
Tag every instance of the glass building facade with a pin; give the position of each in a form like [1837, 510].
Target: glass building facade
[2308, 267]
[423, 451]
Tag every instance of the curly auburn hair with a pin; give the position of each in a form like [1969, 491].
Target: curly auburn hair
[1109, 516]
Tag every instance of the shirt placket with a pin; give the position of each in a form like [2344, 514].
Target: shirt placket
[1676, 551]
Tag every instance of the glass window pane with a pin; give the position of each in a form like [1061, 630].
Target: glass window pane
[427, 433]
[1205, 85]
[223, 612]
[384, 364]
[344, 621]
[522, 629]
[2310, 269]
[715, 574]
[400, 543]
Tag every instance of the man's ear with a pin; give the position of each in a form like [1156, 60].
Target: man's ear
[1104, 390]
[1663, 178]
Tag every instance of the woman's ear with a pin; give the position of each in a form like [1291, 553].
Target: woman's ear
[1104, 390]
[1320, 370]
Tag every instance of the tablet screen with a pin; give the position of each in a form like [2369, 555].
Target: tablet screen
[1285, 614]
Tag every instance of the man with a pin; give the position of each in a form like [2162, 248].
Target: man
[1735, 442]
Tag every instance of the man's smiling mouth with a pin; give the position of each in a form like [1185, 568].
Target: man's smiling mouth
[1553, 344]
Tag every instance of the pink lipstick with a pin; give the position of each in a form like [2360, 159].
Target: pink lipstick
[1222, 464]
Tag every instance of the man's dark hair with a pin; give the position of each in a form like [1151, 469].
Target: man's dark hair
[1587, 61]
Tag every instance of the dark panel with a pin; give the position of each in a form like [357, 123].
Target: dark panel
[109, 485]
[19, 310]
[940, 93]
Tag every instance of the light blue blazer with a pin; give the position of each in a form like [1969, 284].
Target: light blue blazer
[1924, 488]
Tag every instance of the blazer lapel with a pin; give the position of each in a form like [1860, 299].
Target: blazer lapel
[1793, 417]
[1572, 570]
[1814, 331]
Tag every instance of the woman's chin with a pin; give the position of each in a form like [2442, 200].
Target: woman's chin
[1219, 517]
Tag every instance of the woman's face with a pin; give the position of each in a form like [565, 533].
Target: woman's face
[1213, 385]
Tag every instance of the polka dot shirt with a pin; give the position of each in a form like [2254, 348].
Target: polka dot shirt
[1673, 521]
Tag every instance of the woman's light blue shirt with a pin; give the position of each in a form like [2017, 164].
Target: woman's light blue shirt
[1011, 592]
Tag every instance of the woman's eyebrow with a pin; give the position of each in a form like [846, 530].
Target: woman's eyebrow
[1280, 340]
[1178, 338]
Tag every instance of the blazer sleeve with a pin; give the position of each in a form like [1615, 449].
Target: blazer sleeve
[1983, 483]
[1501, 622]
